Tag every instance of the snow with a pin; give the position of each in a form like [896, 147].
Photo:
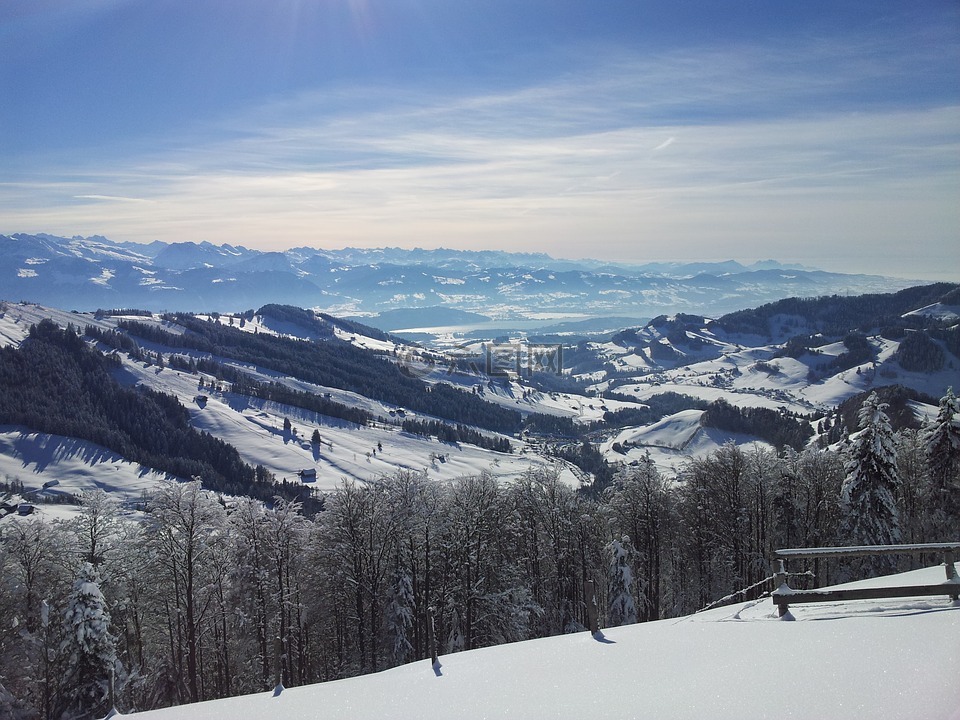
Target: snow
[103, 278]
[892, 659]
[950, 313]
[362, 341]
[255, 428]
[77, 465]
[733, 375]
[671, 441]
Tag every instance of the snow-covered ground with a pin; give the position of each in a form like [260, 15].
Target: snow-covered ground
[753, 377]
[75, 466]
[346, 451]
[255, 428]
[891, 659]
[671, 441]
[744, 376]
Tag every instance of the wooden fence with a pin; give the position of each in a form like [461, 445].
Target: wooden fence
[784, 595]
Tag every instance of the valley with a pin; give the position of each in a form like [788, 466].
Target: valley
[604, 378]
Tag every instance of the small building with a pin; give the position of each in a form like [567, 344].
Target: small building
[25, 509]
[307, 474]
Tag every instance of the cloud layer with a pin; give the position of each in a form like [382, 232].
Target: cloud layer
[819, 153]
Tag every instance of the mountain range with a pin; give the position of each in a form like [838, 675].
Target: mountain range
[86, 273]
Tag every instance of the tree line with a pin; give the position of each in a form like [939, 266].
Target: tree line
[331, 364]
[445, 432]
[773, 426]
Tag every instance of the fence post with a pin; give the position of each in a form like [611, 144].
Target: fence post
[590, 598]
[278, 662]
[951, 572]
[948, 563]
[432, 636]
[779, 573]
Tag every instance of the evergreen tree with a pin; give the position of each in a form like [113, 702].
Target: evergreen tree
[622, 609]
[943, 459]
[89, 646]
[637, 505]
[871, 515]
[399, 612]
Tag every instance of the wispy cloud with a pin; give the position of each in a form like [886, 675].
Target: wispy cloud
[631, 158]
[112, 198]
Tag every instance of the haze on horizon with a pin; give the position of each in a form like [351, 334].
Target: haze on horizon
[821, 133]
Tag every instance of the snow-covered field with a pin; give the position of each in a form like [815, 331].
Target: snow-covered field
[892, 659]
[671, 441]
[737, 377]
[255, 428]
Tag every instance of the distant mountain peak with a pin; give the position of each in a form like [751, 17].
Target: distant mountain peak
[204, 276]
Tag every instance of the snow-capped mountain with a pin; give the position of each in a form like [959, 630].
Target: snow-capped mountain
[89, 273]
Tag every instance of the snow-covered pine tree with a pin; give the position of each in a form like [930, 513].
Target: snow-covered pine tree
[622, 610]
[89, 647]
[399, 615]
[869, 493]
[455, 640]
[636, 504]
[943, 460]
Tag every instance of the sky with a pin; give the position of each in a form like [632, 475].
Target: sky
[818, 132]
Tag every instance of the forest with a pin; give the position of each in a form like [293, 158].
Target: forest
[456, 434]
[836, 315]
[55, 383]
[331, 363]
[202, 598]
[775, 427]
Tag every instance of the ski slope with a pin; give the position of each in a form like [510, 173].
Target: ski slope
[894, 659]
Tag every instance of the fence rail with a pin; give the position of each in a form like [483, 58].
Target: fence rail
[867, 550]
[784, 595]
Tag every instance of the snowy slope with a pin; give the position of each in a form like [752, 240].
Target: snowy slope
[34, 458]
[754, 377]
[894, 659]
[347, 451]
[671, 441]
[255, 427]
[743, 376]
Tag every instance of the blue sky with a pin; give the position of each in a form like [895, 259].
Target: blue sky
[818, 132]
